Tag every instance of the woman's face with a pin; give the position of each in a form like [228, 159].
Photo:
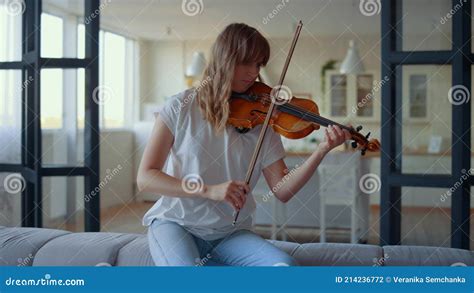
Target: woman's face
[244, 76]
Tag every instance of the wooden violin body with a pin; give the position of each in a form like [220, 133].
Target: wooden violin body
[247, 113]
[293, 117]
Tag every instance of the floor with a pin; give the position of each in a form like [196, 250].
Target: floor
[420, 226]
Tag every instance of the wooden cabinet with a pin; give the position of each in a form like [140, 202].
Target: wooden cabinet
[352, 97]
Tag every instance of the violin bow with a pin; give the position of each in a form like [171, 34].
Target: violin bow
[270, 111]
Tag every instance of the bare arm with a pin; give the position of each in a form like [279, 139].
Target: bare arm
[150, 176]
[285, 184]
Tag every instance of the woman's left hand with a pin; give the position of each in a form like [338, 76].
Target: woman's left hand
[334, 136]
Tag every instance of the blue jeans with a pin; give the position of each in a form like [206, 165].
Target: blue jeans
[172, 245]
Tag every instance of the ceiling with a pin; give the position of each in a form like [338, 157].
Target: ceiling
[165, 19]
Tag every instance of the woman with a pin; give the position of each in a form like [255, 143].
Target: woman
[203, 185]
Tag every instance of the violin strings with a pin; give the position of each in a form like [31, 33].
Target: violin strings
[318, 118]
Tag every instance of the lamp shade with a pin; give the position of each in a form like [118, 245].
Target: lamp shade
[197, 65]
[352, 63]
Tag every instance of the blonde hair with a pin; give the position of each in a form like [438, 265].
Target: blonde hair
[237, 44]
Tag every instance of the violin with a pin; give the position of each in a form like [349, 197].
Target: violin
[293, 117]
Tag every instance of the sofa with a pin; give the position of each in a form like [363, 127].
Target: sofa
[50, 247]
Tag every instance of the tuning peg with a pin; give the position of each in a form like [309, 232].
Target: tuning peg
[359, 128]
[354, 144]
[367, 136]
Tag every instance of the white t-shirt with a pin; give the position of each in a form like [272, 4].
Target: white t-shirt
[197, 151]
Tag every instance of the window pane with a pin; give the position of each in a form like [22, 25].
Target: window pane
[422, 210]
[10, 197]
[111, 92]
[427, 25]
[80, 98]
[338, 89]
[426, 119]
[418, 91]
[10, 33]
[51, 36]
[113, 89]
[51, 98]
[365, 107]
[10, 116]
[61, 139]
[60, 211]
[81, 42]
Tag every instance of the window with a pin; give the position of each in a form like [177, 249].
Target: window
[115, 57]
[116, 74]
[51, 79]
[365, 99]
[353, 96]
[418, 92]
[338, 97]
[10, 80]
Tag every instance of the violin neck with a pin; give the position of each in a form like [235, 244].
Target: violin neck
[309, 116]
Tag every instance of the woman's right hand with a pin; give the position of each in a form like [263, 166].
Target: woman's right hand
[234, 192]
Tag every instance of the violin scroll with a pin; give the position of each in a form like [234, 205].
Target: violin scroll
[362, 142]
